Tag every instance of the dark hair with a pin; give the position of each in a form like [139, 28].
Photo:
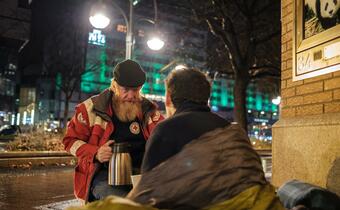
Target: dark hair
[188, 85]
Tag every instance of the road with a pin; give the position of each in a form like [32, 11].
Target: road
[48, 189]
[35, 189]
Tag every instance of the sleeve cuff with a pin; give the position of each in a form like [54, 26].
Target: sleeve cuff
[87, 151]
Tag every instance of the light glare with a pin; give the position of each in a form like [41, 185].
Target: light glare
[99, 21]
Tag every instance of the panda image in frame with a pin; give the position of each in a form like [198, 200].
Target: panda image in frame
[326, 15]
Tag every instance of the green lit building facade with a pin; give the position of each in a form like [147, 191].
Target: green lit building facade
[185, 44]
[106, 52]
[261, 111]
[222, 96]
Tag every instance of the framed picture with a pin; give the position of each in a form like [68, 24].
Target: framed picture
[316, 38]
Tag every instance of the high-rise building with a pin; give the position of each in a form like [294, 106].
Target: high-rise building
[15, 17]
[53, 50]
[261, 111]
[184, 44]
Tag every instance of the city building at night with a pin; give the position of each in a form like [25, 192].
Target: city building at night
[183, 45]
[41, 99]
[107, 47]
[15, 17]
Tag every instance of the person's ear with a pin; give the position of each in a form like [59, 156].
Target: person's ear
[168, 101]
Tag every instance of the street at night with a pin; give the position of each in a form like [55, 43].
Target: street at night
[49, 188]
[36, 188]
[169, 104]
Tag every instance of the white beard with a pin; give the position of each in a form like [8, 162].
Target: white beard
[126, 111]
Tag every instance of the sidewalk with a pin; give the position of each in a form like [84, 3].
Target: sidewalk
[39, 188]
[35, 159]
[61, 205]
[49, 171]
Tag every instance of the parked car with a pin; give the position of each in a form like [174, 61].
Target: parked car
[8, 132]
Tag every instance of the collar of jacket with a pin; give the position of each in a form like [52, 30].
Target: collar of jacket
[189, 106]
[102, 106]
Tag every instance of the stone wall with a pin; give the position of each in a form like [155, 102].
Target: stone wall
[307, 97]
[306, 139]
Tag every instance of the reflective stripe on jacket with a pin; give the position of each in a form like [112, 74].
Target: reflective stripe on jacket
[91, 127]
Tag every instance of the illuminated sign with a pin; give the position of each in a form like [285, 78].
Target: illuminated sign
[121, 28]
[155, 97]
[96, 37]
[261, 120]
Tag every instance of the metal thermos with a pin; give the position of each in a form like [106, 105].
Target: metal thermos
[120, 165]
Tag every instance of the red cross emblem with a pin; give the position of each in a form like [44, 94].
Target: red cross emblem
[134, 128]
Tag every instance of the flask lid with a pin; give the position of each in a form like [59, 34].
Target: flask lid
[120, 147]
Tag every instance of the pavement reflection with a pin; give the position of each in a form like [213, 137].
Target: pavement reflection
[26, 189]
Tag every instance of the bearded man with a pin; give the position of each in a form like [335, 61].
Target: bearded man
[118, 114]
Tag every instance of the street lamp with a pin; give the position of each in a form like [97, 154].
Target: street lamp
[155, 43]
[99, 18]
[99, 21]
[276, 100]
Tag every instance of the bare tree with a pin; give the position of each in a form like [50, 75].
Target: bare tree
[65, 56]
[248, 35]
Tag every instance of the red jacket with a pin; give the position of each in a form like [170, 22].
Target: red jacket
[91, 127]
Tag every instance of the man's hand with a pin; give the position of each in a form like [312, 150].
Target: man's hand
[104, 152]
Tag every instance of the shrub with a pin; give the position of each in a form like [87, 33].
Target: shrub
[35, 141]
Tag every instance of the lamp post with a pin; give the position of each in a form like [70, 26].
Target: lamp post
[99, 18]
[276, 100]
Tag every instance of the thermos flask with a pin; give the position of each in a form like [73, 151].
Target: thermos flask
[120, 165]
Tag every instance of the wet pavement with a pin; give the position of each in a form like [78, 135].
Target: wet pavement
[49, 188]
[33, 189]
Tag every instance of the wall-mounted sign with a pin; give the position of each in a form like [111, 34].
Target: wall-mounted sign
[316, 38]
[96, 37]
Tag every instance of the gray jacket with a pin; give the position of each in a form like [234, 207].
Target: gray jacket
[215, 167]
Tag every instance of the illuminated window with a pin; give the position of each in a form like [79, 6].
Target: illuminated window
[141, 33]
[121, 28]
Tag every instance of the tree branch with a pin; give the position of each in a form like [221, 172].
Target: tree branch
[264, 75]
[264, 71]
[251, 6]
[267, 37]
[240, 7]
[264, 67]
[264, 8]
[230, 47]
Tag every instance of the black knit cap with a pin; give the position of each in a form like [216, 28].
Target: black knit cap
[129, 73]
